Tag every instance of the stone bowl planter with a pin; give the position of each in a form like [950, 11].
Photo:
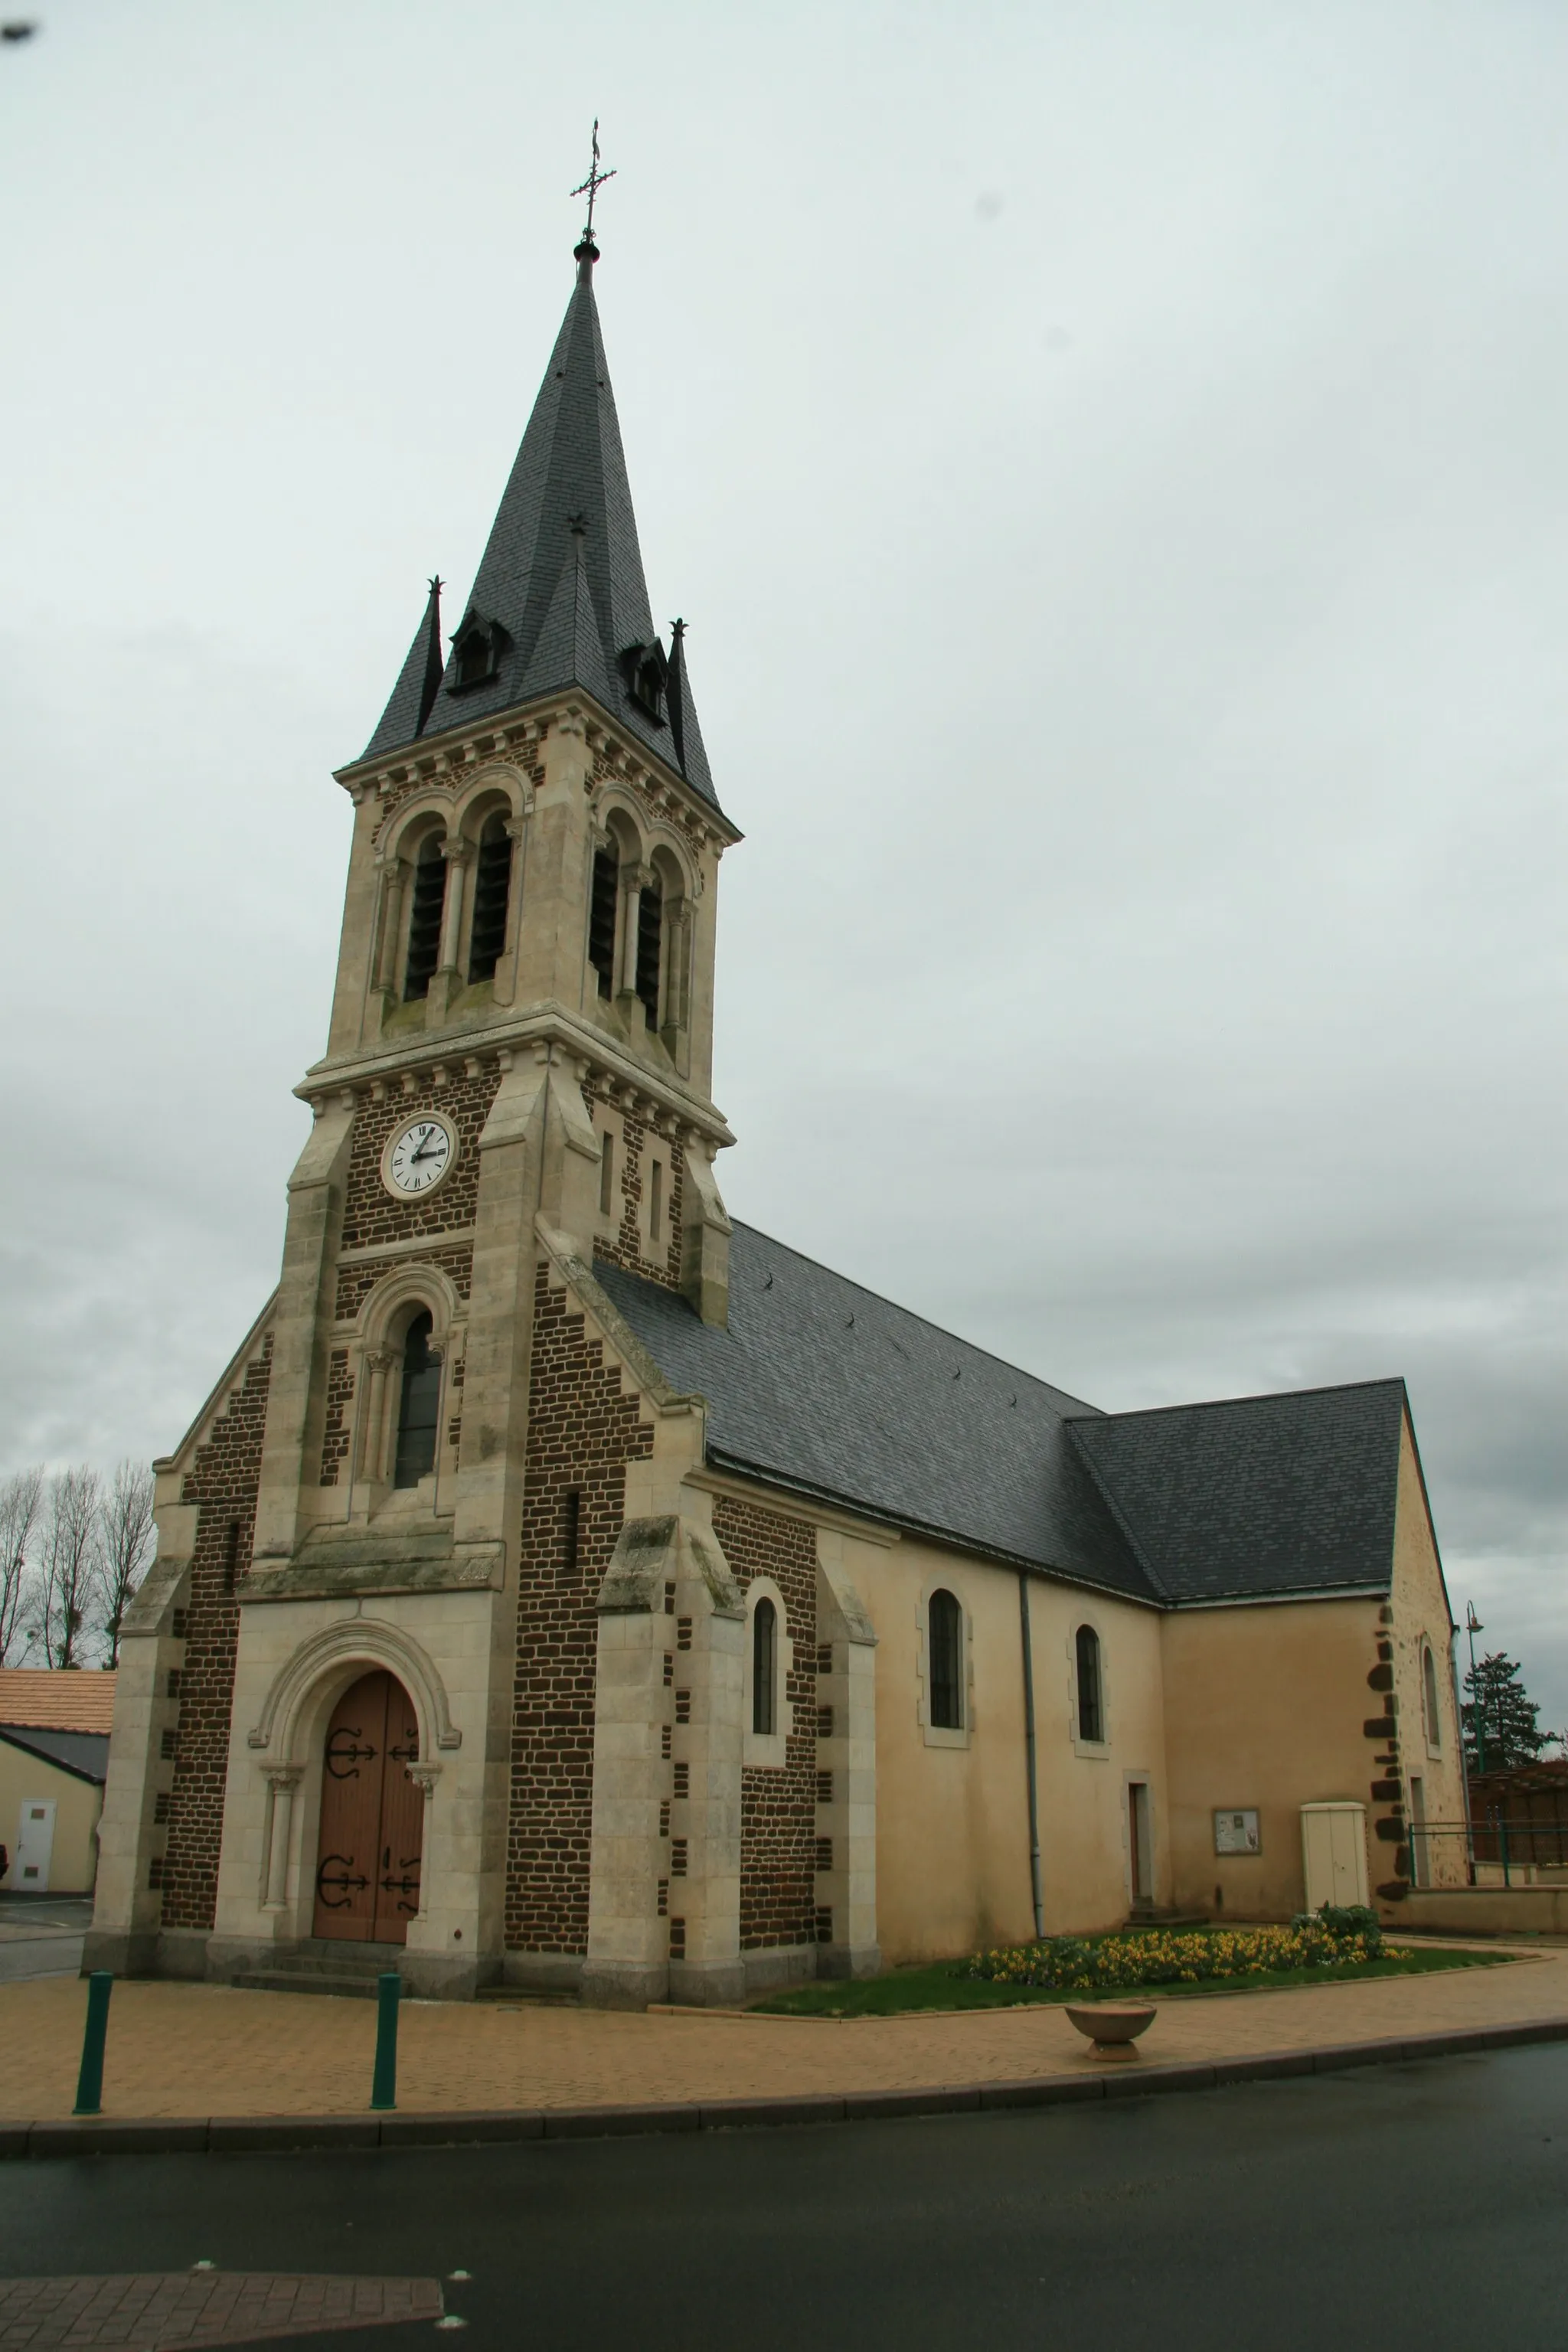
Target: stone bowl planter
[1114, 2033]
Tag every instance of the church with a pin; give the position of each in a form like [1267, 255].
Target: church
[566, 1586]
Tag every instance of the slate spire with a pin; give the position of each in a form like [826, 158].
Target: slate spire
[418, 681]
[560, 598]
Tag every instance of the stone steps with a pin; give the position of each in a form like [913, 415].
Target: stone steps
[524, 1997]
[357, 1988]
[324, 1965]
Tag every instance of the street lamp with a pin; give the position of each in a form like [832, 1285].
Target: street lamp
[1473, 1626]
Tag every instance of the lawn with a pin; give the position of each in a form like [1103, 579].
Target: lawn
[945, 1985]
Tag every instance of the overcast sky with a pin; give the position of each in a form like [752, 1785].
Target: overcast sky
[1111, 458]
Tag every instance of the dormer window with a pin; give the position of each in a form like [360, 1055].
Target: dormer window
[476, 653]
[645, 669]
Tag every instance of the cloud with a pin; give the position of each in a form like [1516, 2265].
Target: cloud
[1128, 637]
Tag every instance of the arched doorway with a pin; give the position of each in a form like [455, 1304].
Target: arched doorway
[372, 1815]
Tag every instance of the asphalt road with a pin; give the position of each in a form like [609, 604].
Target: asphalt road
[40, 1936]
[1421, 2206]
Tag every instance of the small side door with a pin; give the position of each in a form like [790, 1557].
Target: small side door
[35, 1845]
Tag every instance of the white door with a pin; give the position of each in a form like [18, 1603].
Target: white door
[35, 1843]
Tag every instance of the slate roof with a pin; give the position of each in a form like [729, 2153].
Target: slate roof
[822, 1386]
[84, 1754]
[1256, 1496]
[563, 572]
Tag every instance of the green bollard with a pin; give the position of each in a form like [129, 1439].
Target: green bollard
[383, 2088]
[89, 2082]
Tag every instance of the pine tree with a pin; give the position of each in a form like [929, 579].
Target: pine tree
[1501, 1725]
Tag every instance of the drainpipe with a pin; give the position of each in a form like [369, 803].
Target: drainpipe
[1464, 1768]
[1029, 1754]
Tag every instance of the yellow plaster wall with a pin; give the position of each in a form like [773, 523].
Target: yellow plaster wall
[24, 1780]
[1420, 1613]
[1264, 1707]
[953, 1836]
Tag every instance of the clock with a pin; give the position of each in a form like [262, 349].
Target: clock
[418, 1156]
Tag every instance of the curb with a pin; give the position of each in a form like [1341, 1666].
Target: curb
[278, 2135]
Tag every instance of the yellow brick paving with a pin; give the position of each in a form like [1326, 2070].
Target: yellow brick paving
[210, 2050]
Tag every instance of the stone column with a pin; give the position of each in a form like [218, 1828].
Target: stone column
[446, 983]
[634, 880]
[848, 1890]
[708, 1971]
[283, 1778]
[628, 1941]
[705, 1235]
[301, 1326]
[504, 983]
[393, 881]
[425, 1777]
[664, 1902]
[383, 1363]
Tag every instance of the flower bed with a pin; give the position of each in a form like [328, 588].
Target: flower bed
[1157, 1956]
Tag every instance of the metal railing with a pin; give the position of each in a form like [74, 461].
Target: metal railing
[1496, 1848]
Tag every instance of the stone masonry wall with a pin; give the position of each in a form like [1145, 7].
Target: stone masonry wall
[637, 1142]
[582, 1432]
[356, 1282]
[370, 1212]
[778, 1808]
[223, 1480]
[340, 1399]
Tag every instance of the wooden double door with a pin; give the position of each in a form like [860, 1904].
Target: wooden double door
[370, 1849]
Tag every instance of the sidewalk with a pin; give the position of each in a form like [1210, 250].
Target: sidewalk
[192, 2050]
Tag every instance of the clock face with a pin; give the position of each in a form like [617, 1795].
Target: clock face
[417, 1157]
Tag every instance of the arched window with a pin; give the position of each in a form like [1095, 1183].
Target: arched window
[764, 1666]
[602, 910]
[944, 1645]
[651, 944]
[429, 902]
[492, 886]
[419, 1404]
[1091, 1702]
[1429, 1696]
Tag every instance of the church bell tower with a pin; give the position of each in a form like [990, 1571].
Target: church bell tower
[387, 1509]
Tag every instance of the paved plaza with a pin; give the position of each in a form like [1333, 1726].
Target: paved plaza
[195, 2049]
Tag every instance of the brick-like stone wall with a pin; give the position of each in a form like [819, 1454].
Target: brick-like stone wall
[222, 1481]
[356, 1282]
[339, 1398]
[778, 1807]
[521, 753]
[370, 1212]
[582, 1430]
[638, 1142]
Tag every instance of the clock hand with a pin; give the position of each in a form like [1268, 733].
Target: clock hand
[430, 1145]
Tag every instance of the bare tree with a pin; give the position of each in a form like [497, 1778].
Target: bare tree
[21, 1496]
[125, 1539]
[70, 1563]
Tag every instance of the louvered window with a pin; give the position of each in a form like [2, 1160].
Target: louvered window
[419, 1405]
[493, 884]
[476, 659]
[602, 918]
[424, 918]
[650, 930]
[944, 1643]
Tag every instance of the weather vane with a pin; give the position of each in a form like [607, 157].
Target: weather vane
[590, 187]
